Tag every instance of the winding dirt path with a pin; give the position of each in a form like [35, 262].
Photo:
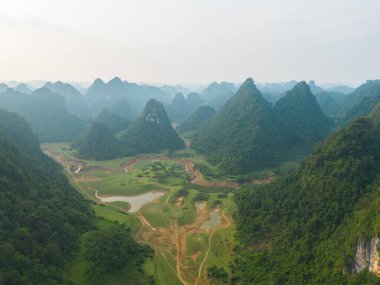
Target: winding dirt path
[173, 237]
[229, 222]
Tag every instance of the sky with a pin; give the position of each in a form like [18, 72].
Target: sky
[190, 41]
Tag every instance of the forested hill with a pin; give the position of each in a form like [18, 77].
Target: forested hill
[361, 101]
[20, 133]
[304, 228]
[196, 119]
[73, 99]
[300, 112]
[100, 143]
[114, 122]
[375, 115]
[41, 215]
[245, 134]
[152, 132]
[45, 112]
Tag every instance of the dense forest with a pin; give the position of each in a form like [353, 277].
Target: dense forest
[245, 134]
[42, 217]
[114, 122]
[100, 143]
[303, 228]
[196, 119]
[46, 113]
[300, 112]
[152, 132]
[181, 107]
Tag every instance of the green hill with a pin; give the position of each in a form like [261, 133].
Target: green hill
[304, 228]
[300, 112]
[245, 134]
[41, 215]
[99, 144]
[196, 119]
[178, 108]
[123, 110]
[45, 112]
[330, 102]
[20, 133]
[361, 101]
[74, 101]
[181, 107]
[114, 122]
[375, 115]
[217, 94]
[102, 95]
[152, 132]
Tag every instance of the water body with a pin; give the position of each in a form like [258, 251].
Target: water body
[213, 222]
[136, 202]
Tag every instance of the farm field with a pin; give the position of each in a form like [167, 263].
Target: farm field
[188, 222]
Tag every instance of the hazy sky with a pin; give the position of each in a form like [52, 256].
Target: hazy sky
[168, 41]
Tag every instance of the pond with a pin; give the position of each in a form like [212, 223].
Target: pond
[135, 202]
[213, 222]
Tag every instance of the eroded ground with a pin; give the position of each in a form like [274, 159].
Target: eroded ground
[171, 224]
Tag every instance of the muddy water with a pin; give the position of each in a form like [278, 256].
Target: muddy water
[135, 202]
[213, 222]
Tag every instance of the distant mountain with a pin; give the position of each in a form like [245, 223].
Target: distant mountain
[193, 102]
[316, 225]
[174, 89]
[74, 100]
[276, 87]
[196, 119]
[122, 109]
[23, 88]
[330, 102]
[217, 94]
[114, 122]
[177, 110]
[300, 112]
[245, 134]
[96, 97]
[361, 101]
[45, 112]
[273, 97]
[102, 95]
[344, 89]
[3, 87]
[182, 107]
[152, 132]
[99, 144]
[314, 88]
[17, 129]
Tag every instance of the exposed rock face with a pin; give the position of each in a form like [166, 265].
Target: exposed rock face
[367, 256]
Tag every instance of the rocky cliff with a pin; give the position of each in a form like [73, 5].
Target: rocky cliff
[367, 256]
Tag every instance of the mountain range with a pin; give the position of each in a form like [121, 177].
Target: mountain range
[245, 134]
[46, 113]
[315, 226]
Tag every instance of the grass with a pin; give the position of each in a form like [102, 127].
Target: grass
[76, 272]
[221, 252]
[110, 179]
[196, 243]
[161, 270]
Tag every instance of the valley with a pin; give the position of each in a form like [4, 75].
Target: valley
[168, 204]
[190, 142]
